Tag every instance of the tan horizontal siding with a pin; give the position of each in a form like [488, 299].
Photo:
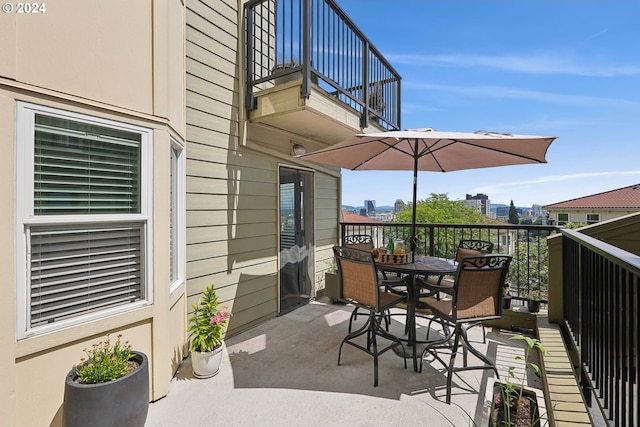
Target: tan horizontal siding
[231, 192]
[207, 218]
[326, 194]
[209, 121]
[227, 231]
[221, 275]
[225, 18]
[225, 40]
[210, 89]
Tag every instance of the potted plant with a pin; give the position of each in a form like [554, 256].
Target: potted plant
[108, 388]
[332, 281]
[534, 297]
[206, 329]
[506, 297]
[515, 404]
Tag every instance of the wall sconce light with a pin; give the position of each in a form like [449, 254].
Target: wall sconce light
[297, 149]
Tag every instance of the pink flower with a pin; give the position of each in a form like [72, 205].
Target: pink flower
[221, 316]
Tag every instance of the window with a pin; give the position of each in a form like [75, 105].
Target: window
[593, 218]
[563, 218]
[176, 216]
[83, 212]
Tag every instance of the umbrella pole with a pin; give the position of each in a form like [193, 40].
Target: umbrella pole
[413, 240]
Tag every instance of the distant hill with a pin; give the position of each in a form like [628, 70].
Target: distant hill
[357, 208]
[494, 206]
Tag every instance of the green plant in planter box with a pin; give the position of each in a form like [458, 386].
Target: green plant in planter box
[512, 393]
[105, 362]
[207, 323]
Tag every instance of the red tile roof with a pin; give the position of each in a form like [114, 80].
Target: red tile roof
[353, 217]
[622, 198]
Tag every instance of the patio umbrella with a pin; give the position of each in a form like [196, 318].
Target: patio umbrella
[430, 150]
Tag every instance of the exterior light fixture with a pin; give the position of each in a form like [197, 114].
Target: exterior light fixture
[298, 149]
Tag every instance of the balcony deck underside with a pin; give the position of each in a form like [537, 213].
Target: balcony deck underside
[320, 117]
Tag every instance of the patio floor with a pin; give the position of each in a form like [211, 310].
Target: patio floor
[284, 373]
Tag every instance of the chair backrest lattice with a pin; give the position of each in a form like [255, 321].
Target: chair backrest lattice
[357, 272]
[359, 241]
[473, 247]
[478, 287]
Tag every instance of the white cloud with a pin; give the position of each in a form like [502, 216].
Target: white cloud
[527, 64]
[506, 92]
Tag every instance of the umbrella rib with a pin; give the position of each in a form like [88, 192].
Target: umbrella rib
[383, 142]
[428, 150]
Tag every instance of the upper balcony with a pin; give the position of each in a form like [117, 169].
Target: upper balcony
[312, 72]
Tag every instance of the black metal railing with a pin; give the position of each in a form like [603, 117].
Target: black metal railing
[529, 271]
[316, 41]
[601, 298]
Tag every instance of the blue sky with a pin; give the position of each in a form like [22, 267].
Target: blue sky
[564, 68]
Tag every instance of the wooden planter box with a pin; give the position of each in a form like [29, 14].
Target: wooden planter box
[493, 386]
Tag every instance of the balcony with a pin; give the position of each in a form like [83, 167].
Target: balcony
[310, 71]
[590, 280]
[284, 372]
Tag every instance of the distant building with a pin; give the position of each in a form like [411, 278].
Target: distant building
[502, 212]
[480, 203]
[398, 205]
[597, 207]
[370, 206]
[538, 211]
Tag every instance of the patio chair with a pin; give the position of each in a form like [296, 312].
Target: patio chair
[361, 286]
[477, 296]
[465, 248]
[437, 284]
[365, 242]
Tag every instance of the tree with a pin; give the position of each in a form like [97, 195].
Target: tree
[440, 210]
[513, 214]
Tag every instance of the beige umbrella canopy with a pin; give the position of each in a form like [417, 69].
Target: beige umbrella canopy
[430, 150]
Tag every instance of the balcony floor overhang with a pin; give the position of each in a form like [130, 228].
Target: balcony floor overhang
[320, 117]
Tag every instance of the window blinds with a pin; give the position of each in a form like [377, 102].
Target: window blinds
[81, 271]
[81, 168]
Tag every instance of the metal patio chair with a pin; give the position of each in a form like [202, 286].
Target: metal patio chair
[477, 296]
[361, 287]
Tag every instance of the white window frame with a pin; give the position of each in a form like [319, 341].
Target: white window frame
[25, 217]
[592, 221]
[177, 216]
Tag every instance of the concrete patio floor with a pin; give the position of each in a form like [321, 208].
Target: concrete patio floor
[284, 372]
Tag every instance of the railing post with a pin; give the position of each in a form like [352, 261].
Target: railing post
[249, 99]
[307, 36]
[364, 119]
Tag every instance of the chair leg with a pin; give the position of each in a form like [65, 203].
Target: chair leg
[454, 351]
[372, 328]
[374, 342]
[363, 330]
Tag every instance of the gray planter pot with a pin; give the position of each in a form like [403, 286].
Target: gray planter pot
[332, 288]
[123, 402]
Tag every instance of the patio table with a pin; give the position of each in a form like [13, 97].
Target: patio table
[422, 265]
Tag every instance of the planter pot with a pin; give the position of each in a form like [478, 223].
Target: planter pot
[537, 415]
[534, 306]
[506, 302]
[122, 402]
[332, 286]
[206, 364]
